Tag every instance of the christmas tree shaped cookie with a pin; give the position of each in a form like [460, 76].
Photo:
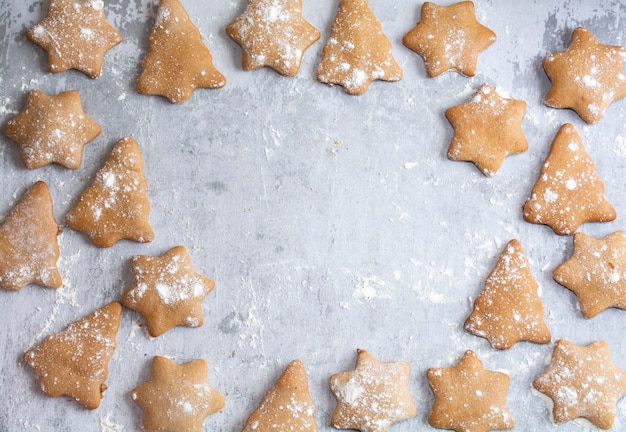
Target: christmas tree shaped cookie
[287, 406]
[115, 206]
[29, 249]
[75, 361]
[568, 191]
[357, 52]
[177, 61]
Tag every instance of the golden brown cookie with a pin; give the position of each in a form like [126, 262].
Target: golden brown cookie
[52, 129]
[449, 37]
[587, 77]
[582, 381]
[373, 396]
[287, 406]
[357, 52]
[167, 291]
[177, 61]
[596, 272]
[273, 33]
[509, 309]
[75, 361]
[176, 397]
[29, 249]
[568, 191]
[115, 205]
[76, 35]
[487, 129]
[469, 398]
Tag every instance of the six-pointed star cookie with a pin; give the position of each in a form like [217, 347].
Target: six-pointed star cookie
[177, 61]
[273, 33]
[449, 37]
[587, 77]
[583, 381]
[596, 272]
[52, 129]
[176, 397]
[76, 35]
[167, 291]
[487, 129]
[373, 396]
[469, 398]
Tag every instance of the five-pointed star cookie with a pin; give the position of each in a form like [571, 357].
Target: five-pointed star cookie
[449, 37]
[509, 308]
[273, 33]
[487, 129]
[115, 205]
[76, 35]
[167, 291]
[177, 61]
[596, 272]
[29, 249]
[582, 381]
[357, 52]
[287, 406]
[469, 398]
[568, 191]
[176, 397]
[52, 129]
[373, 396]
[75, 361]
[587, 77]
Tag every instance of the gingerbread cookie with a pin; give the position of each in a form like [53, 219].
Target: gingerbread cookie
[568, 191]
[176, 397]
[373, 396]
[76, 35]
[469, 398]
[29, 249]
[273, 33]
[287, 406]
[357, 52]
[596, 272]
[52, 129]
[582, 381]
[177, 61]
[509, 309]
[115, 205]
[587, 77]
[449, 37]
[167, 291]
[487, 129]
[75, 361]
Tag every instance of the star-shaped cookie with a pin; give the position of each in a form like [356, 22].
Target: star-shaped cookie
[582, 381]
[596, 272]
[273, 33]
[287, 406]
[115, 205]
[449, 37]
[167, 291]
[76, 35]
[509, 309]
[75, 361]
[29, 249]
[587, 77]
[176, 397]
[487, 129]
[357, 52]
[177, 61]
[52, 129]
[373, 396]
[469, 398]
[568, 191]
